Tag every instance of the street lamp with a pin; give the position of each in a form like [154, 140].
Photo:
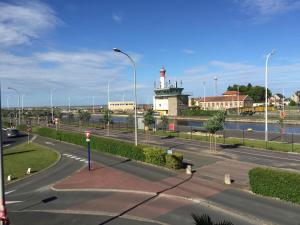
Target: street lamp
[266, 95]
[51, 102]
[18, 93]
[135, 99]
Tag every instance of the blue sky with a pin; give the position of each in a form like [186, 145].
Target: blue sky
[67, 46]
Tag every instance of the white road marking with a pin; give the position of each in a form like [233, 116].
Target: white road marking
[12, 202]
[8, 192]
[86, 161]
[77, 158]
[73, 157]
[82, 160]
[33, 138]
[49, 143]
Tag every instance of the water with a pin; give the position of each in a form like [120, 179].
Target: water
[287, 128]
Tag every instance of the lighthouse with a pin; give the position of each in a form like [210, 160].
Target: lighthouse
[162, 77]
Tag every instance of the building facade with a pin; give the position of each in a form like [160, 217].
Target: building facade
[168, 98]
[229, 100]
[296, 97]
[121, 106]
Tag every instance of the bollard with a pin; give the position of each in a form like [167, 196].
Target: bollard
[9, 178]
[28, 171]
[227, 179]
[189, 169]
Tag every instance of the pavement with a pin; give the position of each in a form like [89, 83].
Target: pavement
[122, 191]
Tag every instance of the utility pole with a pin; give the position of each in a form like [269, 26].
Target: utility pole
[69, 99]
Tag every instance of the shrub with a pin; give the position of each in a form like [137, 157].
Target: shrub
[174, 161]
[275, 183]
[155, 156]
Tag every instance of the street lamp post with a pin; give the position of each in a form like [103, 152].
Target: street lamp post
[204, 95]
[19, 96]
[135, 98]
[51, 102]
[266, 95]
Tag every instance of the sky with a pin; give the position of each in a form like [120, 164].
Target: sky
[66, 46]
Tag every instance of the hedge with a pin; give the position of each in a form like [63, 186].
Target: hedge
[151, 155]
[155, 156]
[275, 183]
[111, 146]
[174, 161]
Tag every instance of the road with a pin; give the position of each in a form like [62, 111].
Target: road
[192, 148]
[33, 201]
[10, 142]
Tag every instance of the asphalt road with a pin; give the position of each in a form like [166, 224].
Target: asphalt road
[13, 141]
[32, 201]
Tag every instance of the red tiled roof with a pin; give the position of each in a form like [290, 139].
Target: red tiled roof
[222, 98]
[231, 93]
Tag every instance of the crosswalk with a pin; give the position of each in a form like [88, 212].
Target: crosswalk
[75, 158]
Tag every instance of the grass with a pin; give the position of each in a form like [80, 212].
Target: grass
[18, 159]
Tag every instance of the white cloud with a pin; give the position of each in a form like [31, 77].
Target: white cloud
[22, 21]
[264, 10]
[188, 51]
[117, 17]
[71, 73]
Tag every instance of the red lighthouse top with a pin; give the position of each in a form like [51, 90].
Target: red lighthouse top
[162, 72]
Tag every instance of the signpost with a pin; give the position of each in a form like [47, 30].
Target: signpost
[87, 135]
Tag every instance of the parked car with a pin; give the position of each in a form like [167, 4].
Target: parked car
[12, 132]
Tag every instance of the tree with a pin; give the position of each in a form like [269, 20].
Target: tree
[214, 124]
[206, 220]
[257, 93]
[149, 120]
[84, 116]
[164, 122]
[292, 103]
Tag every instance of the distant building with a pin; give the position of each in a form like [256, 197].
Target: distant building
[168, 98]
[278, 100]
[296, 97]
[229, 100]
[121, 106]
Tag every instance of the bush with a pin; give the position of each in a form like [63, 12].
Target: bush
[174, 161]
[155, 156]
[275, 183]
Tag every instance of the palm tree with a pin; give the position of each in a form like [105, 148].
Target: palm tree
[206, 220]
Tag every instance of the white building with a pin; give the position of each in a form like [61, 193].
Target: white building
[168, 98]
[121, 106]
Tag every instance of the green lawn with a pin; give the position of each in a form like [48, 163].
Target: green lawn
[21, 157]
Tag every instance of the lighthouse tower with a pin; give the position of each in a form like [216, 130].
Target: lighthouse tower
[162, 77]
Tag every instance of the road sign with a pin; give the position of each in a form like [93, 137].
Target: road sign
[172, 126]
[56, 120]
[29, 129]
